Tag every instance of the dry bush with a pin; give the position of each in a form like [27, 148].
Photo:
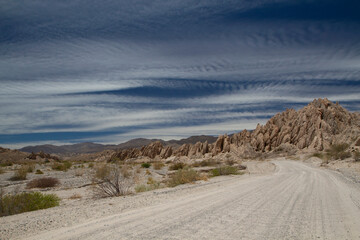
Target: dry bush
[44, 182]
[357, 156]
[148, 172]
[75, 196]
[230, 162]
[79, 172]
[20, 174]
[91, 165]
[177, 166]
[1, 170]
[101, 171]
[126, 171]
[224, 170]
[338, 151]
[38, 171]
[158, 165]
[25, 202]
[113, 184]
[64, 166]
[206, 163]
[183, 176]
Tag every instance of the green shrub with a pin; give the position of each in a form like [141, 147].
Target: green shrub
[145, 165]
[20, 174]
[38, 171]
[64, 166]
[224, 170]
[25, 202]
[183, 176]
[338, 151]
[177, 166]
[44, 182]
[6, 164]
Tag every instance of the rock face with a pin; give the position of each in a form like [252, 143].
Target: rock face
[316, 126]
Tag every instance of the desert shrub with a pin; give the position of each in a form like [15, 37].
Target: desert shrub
[25, 202]
[206, 163]
[44, 182]
[75, 196]
[338, 151]
[158, 165]
[177, 166]
[224, 170]
[91, 165]
[102, 171]
[6, 164]
[30, 168]
[38, 171]
[148, 172]
[113, 184]
[182, 176]
[1, 170]
[126, 171]
[318, 155]
[357, 156]
[79, 172]
[64, 166]
[20, 174]
[230, 162]
[145, 165]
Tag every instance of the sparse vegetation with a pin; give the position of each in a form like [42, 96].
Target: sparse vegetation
[1, 170]
[113, 184]
[177, 166]
[38, 171]
[338, 151]
[206, 163]
[145, 165]
[224, 170]
[182, 176]
[64, 166]
[25, 202]
[158, 165]
[44, 182]
[20, 174]
[357, 156]
[75, 196]
[91, 165]
[102, 171]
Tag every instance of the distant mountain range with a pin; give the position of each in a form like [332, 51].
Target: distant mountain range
[89, 147]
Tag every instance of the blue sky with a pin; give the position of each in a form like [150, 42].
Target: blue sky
[109, 71]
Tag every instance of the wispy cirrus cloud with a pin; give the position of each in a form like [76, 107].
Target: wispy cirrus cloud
[75, 71]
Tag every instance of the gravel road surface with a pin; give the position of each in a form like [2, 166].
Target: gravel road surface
[296, 201]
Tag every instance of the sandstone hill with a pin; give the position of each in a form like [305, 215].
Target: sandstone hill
[314, 127]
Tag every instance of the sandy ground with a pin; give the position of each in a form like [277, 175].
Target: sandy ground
[292, 201]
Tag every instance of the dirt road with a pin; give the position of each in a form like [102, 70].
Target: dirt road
[295, 202]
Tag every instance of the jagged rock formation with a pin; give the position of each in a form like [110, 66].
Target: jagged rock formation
[316, 126]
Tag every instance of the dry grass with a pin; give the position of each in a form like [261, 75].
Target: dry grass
[75, 196]
[177, 166]
[158, 165]
[44, 182]
[224, 170]
[64, 166]
[182, 176]
[20, 174]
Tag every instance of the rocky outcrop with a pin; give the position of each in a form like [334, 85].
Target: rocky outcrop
[316, 126]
